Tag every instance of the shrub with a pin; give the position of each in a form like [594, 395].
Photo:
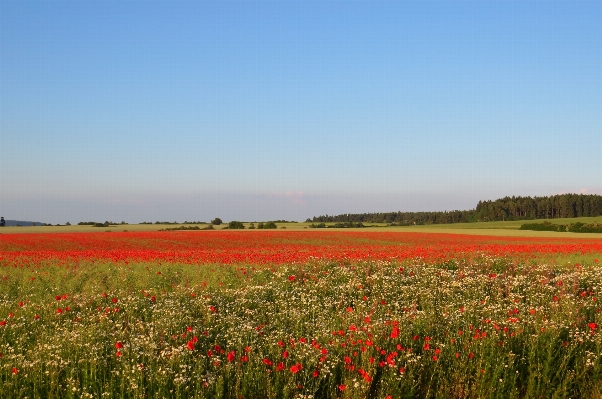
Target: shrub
[236, 225]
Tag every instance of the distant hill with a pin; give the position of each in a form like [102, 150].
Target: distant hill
[503, 209]
[21, 223]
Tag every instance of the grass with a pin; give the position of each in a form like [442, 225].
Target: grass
[490, 328]
[507, 228]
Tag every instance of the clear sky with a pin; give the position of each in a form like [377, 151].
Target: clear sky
[259, 110]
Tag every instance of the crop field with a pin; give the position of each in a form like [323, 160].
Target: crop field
[299, 314]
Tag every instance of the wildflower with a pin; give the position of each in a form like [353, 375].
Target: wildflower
[231, 356]
[296, 368]
[342, 387]
[119, 345]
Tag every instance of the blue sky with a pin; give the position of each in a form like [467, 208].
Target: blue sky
[258, 110]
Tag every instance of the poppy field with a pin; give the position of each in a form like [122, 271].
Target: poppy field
[275, 314]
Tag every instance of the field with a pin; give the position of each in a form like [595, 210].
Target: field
[299, 313]
[507, 228]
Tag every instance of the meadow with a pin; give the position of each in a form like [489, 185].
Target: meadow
[299, 314]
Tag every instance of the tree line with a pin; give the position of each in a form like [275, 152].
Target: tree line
[503, 209]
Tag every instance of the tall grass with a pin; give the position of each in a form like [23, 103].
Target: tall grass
[486, 328]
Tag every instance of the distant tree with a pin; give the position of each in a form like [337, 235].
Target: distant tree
[67, 224]
[216, 221]
[236, 225]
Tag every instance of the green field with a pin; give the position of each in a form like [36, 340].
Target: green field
[508, 228]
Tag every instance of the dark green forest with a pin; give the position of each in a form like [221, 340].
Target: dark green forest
[507, 208]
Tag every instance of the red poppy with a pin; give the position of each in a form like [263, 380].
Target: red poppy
[231, 356]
